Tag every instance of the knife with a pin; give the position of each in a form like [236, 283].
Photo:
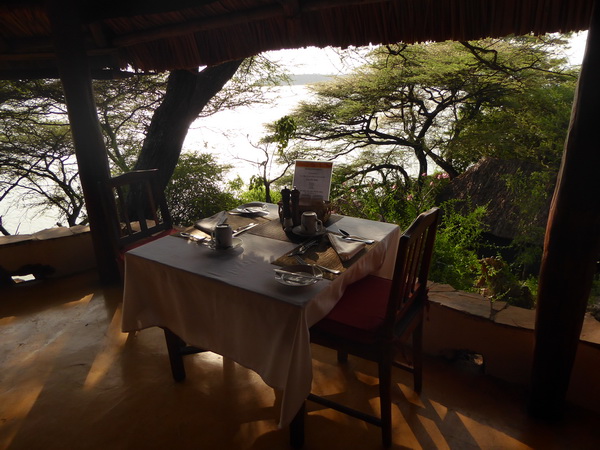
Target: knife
[297, 274]
[244, 228]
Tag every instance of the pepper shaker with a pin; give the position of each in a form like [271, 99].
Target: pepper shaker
[295, 195]
[287, 221]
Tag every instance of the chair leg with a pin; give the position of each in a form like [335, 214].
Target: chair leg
[297, 428]
[385, 399]
[418, 357]
[174, 345]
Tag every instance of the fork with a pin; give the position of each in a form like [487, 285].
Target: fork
[303, 248]
[301, 261]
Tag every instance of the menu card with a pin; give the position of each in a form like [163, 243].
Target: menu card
[313, 179]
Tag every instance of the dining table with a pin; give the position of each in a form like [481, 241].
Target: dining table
[230, 301]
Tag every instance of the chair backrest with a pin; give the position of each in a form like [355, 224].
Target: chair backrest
[137, 206]
[409, 284]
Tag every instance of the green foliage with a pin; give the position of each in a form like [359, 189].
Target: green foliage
[285, 128]
[531, 283]
[529, 125]
[455, 259]
[445, 104]
[498, 283]
[380, 198]
[256, 193]
[195, 190]
[459, 238]
[532, 194]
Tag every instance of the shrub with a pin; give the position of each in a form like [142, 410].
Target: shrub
[455, 259]
[195, 190]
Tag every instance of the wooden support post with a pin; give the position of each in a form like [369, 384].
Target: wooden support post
[90, 150]
[572, 244]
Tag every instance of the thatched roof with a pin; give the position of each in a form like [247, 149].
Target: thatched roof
[485, 184]
[151, 35]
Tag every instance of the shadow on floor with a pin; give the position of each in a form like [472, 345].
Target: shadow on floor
[70, 379]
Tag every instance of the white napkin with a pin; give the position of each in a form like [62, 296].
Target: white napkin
[208, 224]
[344, 248]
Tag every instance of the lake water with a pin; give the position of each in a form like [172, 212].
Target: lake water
[232, 136]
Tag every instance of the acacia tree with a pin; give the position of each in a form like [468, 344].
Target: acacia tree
[45, 178]
[274, 146]
[411, 106]
[144, 120]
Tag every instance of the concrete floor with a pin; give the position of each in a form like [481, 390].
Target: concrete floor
[69, 379]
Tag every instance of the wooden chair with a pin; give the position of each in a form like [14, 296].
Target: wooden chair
[137, 210]
[141, 215]
[375, 315]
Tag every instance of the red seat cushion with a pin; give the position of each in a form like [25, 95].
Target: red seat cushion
[360, 313]
[141, 242]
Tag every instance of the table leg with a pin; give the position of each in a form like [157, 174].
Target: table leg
[174, 345]
[297, 428]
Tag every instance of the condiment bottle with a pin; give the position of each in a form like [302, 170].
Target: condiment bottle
[287, 220]
[295, 194]
[285, 203]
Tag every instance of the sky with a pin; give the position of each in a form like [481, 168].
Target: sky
[326, 61]
[311, 60]
[578, 47]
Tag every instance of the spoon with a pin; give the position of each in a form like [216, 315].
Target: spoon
[352, 238]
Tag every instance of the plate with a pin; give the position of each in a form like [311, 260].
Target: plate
[252, 209]
[235, 243]
[291, 280]
[298, 230]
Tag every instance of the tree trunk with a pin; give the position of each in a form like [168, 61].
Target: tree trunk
[89, 145]
[3, 230]
[572, 244]
[187, 94]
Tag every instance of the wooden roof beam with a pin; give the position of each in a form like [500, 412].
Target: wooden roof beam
[228, 20]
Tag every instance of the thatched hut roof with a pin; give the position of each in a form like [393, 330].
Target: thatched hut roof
[486, 184]
[154, 35]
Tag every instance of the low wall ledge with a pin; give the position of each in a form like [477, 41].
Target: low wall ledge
[499, 312]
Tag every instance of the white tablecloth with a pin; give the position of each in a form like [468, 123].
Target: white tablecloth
[229, 302]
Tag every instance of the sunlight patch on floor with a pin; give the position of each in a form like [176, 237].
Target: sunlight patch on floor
[33, 371]
[434, 433]
[402, 430]
[19, 409]
[367, 379]
[411, 396]
[487, 437]
[440, 409]
[114, 342]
